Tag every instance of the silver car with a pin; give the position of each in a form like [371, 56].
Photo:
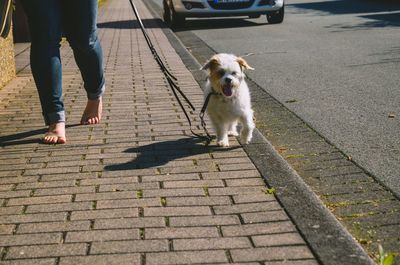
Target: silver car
[176, 11]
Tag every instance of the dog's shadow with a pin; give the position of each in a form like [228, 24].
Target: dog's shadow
[160, 153]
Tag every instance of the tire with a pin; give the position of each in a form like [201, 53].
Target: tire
[277, 16]
[166, 14]
[171, 18]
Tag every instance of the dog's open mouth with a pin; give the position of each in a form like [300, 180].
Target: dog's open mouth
[227, 90]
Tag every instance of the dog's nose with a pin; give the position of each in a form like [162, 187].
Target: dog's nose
[228, 80]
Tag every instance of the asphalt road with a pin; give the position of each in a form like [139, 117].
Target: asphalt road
[336, 64]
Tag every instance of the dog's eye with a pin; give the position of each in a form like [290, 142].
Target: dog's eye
[234, 73]
[221, 72]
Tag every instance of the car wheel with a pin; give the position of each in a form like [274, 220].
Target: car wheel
[166, 13]
[172, 19]
[277, 16]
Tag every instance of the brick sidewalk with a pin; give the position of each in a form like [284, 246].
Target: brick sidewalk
[136, 189]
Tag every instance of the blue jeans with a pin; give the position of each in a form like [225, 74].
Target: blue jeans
[76, 19]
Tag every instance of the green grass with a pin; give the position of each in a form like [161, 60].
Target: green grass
[271, 190]
[385, 258]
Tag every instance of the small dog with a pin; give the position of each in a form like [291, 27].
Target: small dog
[230, 100]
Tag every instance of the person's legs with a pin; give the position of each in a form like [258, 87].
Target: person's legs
[45, 26]
[79, 22]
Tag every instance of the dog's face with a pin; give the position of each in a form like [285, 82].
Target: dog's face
[226, 73]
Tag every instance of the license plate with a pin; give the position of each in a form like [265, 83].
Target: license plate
[230, 1]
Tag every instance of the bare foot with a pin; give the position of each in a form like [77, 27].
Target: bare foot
[92, 113]
[55, 134]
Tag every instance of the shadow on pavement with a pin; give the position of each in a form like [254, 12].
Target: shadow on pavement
[372, 21]
[220, 23]
[191, 24]
[357, 7]
[341, 7]
[383, 20]
[132, 24]
[160, 153]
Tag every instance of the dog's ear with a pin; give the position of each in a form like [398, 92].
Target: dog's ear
[213, 62]
[243, 64]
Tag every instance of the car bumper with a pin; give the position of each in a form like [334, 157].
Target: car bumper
[208, 8]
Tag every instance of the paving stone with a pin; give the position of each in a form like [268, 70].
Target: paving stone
[247, 207]
[293, 262]
[274, 253]
[235, 190]
[6, 187]
[56, 177]
[278, 240]
[177, 211]
[58, 250]
[245, 182]
[32, 239]
[40, 200]
[53, 227]
[193, 183]
[128, 203]
[70, 190]
[14, 194]
[258, 229]
[186, 257]
[198, 201]
[129, 223]
[102, 235]
[211, 243]
[174, 192]
[263, 217]
[129, 186]
[106, 196]
[59, 207]
[103, 181]
[18, 179]
[129, 246]
[128, 259]
[101, 214]
[181, 232]
[204, 220]
[11, 210]
[6, 229]
[171, 177]
[255, 197]
[32, 218]
[47, 184]
[29, 262]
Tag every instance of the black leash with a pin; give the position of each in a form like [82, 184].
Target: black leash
[202, 113]
[171, 81]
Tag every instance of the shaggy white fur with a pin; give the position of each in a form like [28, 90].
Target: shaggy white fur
[231, 102]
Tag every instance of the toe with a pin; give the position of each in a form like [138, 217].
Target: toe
[48, 140]
[84, 121]
[61, 140]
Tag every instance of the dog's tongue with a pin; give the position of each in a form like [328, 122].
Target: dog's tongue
[227, 90]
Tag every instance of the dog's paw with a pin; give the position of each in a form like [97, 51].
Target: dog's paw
[245, 138]
[223, 143]
[233, 133]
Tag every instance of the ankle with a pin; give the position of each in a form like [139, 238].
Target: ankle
[57, 126]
